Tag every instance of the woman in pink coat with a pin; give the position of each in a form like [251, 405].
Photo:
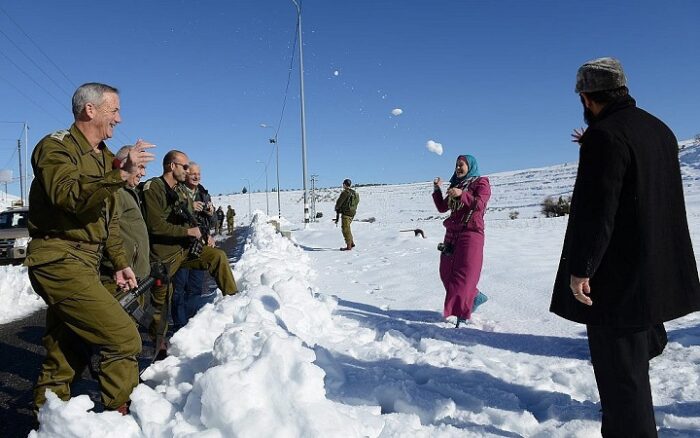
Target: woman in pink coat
[463, 248]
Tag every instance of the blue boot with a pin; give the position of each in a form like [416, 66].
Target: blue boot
[480, 299]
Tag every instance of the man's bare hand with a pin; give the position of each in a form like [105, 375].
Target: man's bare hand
[138, 156]
[581, 288]
[194, 232]
[576, 135]
[125, 279]
[198, 205]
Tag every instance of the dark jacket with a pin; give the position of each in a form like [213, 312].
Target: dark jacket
[628, 230]
[200, 194]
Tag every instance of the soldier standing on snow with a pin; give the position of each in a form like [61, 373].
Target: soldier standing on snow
[346, 205]
[627, 265]
[230, 218]
[171, 238]
[74, 222]
[219, 219]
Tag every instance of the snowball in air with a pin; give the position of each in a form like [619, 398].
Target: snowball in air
[397, 111]
[336, 73]
[434, 147]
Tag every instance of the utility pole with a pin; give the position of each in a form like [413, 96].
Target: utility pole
[303, 113]
[314, 178]
[21, 179]
[277, 168]
[26, 161]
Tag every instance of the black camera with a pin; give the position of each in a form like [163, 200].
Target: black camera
[445, 248]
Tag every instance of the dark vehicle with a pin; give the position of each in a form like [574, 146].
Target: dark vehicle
[14, 235]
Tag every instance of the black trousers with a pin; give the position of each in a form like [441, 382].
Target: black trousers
[620, 358]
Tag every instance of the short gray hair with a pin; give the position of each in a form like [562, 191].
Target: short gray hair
[123, 152]
[92, 92]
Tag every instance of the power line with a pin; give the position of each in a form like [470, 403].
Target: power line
[30, 99]
[35, 64]
[289, 79]
[33, 80]
[38, 48]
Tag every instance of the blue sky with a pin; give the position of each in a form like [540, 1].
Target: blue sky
[491, 78]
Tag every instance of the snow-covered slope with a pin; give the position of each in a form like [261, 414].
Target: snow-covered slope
[328, 343]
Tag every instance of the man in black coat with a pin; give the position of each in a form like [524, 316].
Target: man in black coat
[627, 265]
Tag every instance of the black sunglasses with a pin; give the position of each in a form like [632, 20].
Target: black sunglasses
[184, 166]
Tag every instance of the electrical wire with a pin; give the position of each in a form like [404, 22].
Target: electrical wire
[33, 80]
[31, 100]
[38, 48]
[289, 78]
[35, 64]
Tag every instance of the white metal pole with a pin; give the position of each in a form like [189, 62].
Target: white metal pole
[303, 112]
[26, 161]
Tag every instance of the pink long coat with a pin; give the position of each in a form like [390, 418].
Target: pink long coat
[461, 270]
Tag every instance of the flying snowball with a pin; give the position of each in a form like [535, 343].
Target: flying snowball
[434, 147]
[336, 73]
[397, 111]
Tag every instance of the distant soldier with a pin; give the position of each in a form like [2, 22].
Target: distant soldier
[347, 207]
[74, 222]
[219, 219]
[230, 217]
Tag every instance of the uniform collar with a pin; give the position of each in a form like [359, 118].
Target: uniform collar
[83, 143]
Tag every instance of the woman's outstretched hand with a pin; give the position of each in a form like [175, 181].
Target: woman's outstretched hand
[437, 183]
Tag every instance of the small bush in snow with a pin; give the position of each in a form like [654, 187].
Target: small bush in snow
[552, 207]
[513, 214]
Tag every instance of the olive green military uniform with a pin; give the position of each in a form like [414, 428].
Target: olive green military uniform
[72, 220]
[342, 206]
[170, 244]
[134, 235]
[230, 216]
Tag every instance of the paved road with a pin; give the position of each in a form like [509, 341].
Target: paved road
[21, 354]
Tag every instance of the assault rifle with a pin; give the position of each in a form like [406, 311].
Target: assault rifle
[197, 245]
[129, 300]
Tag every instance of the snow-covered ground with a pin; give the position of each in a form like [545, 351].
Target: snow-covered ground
[327, 343]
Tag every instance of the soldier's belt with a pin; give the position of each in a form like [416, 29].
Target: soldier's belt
[86, 246]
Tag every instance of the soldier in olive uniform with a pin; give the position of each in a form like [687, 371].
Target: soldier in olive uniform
[132, 228]
[72, 221]
[219, 219]
[171, 236]
[346, 205]
[230, 218]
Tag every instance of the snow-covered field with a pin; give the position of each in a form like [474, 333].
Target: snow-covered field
[340, 344]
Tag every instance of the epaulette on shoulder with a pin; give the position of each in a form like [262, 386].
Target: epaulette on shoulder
[59, 135]
[147, 184]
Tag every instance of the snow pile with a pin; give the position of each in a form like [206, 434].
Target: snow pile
[17, 298]
[243, 366]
